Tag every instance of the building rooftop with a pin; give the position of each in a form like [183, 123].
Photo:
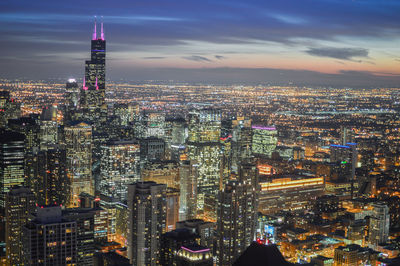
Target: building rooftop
[262, 255]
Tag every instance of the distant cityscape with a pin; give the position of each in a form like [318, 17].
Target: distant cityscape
[96, 172]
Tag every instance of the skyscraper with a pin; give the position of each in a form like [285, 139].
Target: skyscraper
[241, 141]
[237, 207]
[172, 208]
[175, 137]
[188, 190]
[9, 108]
[48, 127]
[264, 140]
[346, 135]
[248, 172]
[147, 219]
[93, 89]
[379, 225]
[51, 185]
[30, 128]
[12, 147]
[72, 98]
[20, 203]
[78, 142]
[205, 149]
[345, 156]
[85, 226]
[119, 166]
[50, 240]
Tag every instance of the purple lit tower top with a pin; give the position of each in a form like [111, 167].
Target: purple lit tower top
[95, 68]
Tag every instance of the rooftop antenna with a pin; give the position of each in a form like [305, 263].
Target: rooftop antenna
[94, 37]
[84, 84]
[102, 31]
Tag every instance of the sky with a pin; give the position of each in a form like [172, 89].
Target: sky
[315, 42]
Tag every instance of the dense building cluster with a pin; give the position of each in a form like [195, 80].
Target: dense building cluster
[156, 174]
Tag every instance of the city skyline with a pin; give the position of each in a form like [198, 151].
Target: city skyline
[325, 43]
[181, 162]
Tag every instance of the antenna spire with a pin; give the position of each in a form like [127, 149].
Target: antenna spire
[97, 86]
[84, 83]
[94, 37]
[102, 31]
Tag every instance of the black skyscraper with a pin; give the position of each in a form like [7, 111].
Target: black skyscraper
[93, 90]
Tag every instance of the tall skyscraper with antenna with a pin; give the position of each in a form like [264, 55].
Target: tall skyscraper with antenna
[93, 89]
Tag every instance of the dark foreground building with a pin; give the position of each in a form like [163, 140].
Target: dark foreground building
[262, 255]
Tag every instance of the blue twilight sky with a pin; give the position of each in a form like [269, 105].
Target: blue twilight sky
[327, 42]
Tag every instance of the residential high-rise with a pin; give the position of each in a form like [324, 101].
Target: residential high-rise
[101, 216]
[237, 208]
[119, 166]
[20, 203]
[78, 142]
[94, 87]
[226, 159]
[264, 140]
[172, 208]
[248, 172]
[345, 156]
[378, 225]
[176, 137]
[50, 240]
[204, 148]
[241, 141]
[12, 148]
[51, 185]
[208, 158]
[147, 219]
[85, 226]
[188, 190]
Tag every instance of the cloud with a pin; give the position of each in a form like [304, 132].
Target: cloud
[338, 53]
[197, 58]
[220, 57]
[289, 19]
[344, 78]
[154, 57]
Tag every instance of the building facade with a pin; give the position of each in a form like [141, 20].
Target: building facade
[20, 203]
[236, 223]
[147, 219]
[78, 142]
[119, 167]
